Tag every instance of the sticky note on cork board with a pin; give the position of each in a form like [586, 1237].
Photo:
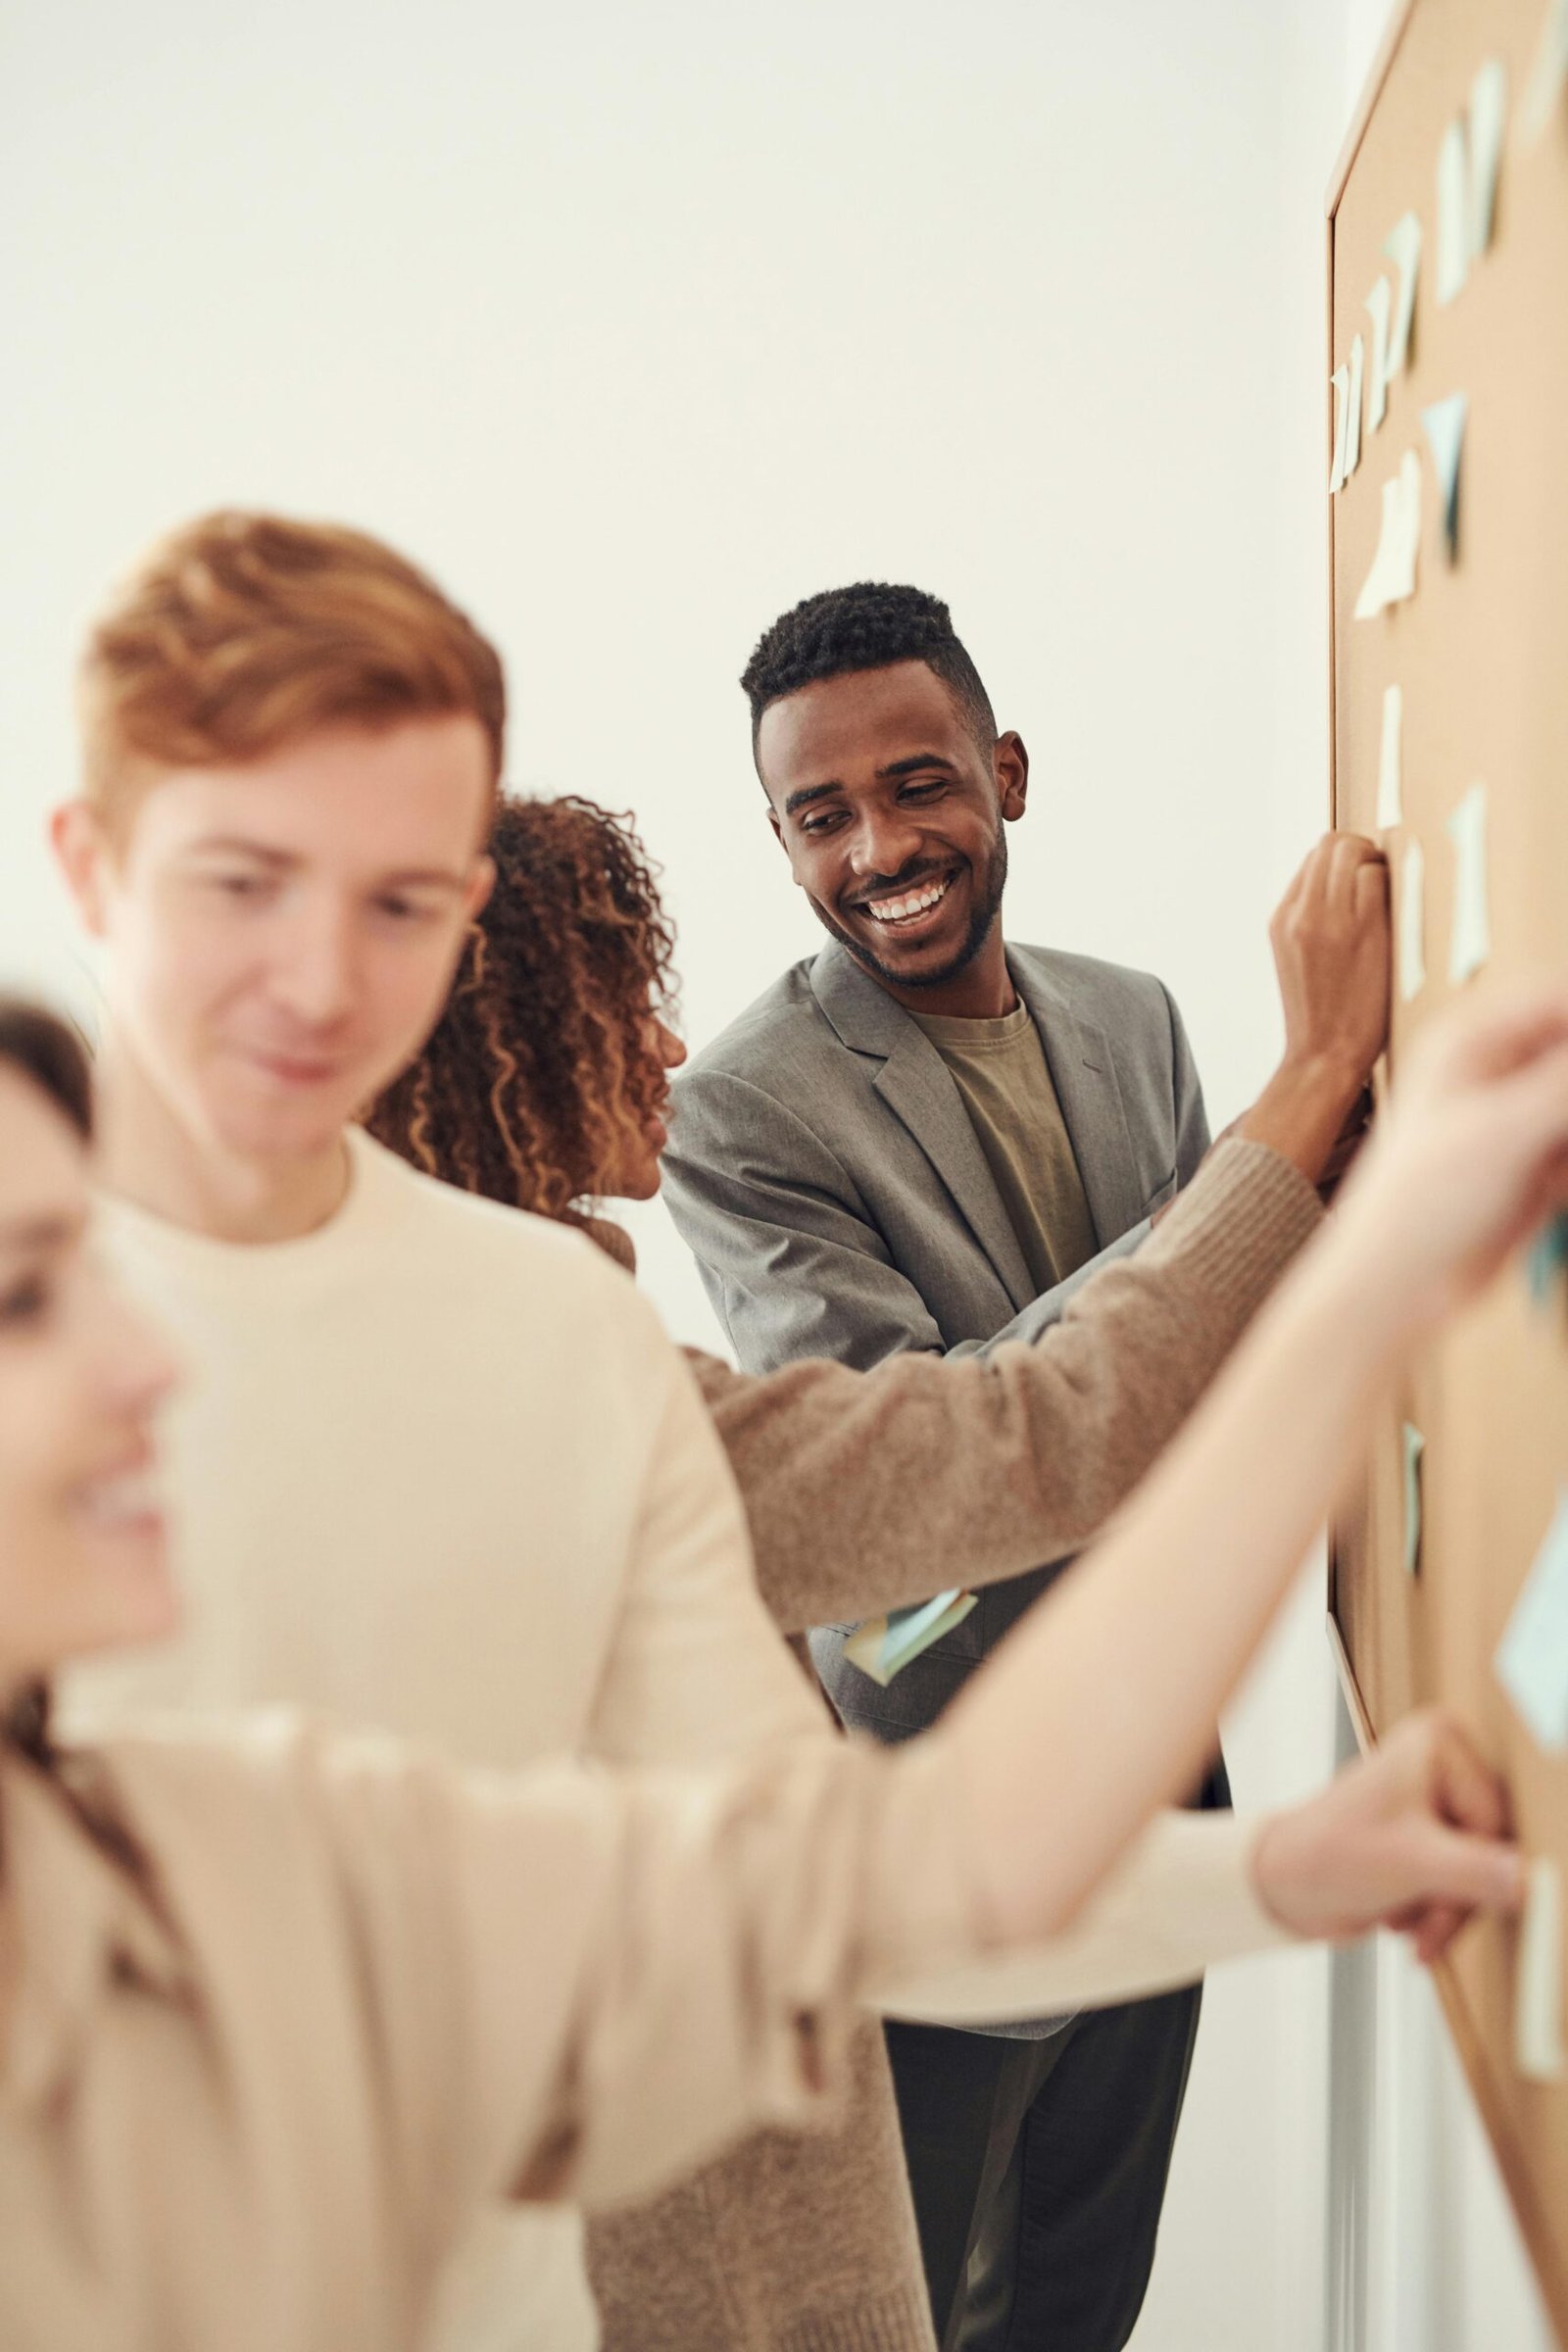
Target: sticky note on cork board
[1532, 1661]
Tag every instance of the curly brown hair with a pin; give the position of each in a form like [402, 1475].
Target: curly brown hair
[543, 1058]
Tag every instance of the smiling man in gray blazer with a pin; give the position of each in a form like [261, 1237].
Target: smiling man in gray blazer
[925, 1138]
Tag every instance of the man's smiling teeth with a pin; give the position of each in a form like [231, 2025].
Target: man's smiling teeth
[912, 903]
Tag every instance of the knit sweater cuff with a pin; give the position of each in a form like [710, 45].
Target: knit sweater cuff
[897, 2322]
[1239, 1224]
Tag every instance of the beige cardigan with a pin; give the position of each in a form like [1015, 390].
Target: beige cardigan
[791, 2246]
[253, 2085]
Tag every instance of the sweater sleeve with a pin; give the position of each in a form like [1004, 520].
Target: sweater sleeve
[869, 1490]
[1181, 1900]
[695, 1668]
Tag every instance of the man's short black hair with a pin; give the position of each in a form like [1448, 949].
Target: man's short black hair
[867, 626]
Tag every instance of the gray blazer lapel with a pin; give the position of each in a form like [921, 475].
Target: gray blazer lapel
[1084, 1070]
[914, 1084]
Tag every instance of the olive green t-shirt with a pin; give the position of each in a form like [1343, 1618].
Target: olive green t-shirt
[1001, 1070]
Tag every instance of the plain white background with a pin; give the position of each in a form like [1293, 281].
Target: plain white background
[636, 325]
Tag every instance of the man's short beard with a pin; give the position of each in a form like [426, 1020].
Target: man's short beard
[987, 906]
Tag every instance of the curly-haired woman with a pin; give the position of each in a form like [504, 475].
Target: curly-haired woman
[543, 1087]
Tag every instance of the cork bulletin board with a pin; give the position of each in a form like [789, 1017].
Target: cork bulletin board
[1459, 605]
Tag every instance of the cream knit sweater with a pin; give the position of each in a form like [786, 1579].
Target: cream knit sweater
[437, 1468]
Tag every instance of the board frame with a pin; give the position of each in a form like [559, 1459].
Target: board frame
[1522, 2188]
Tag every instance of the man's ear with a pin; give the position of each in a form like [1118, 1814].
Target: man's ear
[85, 858]
[1009, 764]
[778, 830]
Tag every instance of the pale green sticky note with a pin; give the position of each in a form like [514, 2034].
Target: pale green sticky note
[1444, 430]
[1413, 923]
[1390, 805]
[1403, 247]
[1340, 380]
[1471, 942]
[1548, 76]
[1414, 1445]
[1489, 116]
[1380, 302]
[1538, 2040]
[1532, 1661]
[884, 1645]
[1391, 577]
[1454, 211]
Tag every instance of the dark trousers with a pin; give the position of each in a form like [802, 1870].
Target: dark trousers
[1039, 2169]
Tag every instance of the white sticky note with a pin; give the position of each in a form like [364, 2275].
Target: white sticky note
[1412, 925]
[1404, 249]
[1471, 942]
[1445, 431]
[1340, 380]
[1391, 577]
[1548, 76]
[1489, 116]
[1353, 431]
[1538, 2046]
[1532, 1661]
[1414, 1447]
[1454, 211]
[1390, 809]
[1380, 302]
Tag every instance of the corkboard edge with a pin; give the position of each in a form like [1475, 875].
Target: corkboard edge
[1551, 2272]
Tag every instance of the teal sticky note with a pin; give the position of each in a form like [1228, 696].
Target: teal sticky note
[1532, 1661]
[1414, 1447]
[1549, 1257]
[884, 1645]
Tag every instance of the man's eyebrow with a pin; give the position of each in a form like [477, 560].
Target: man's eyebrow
[915, 762]
[806, 793]
[237, 844]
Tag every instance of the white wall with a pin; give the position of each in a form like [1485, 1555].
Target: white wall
[639, 325]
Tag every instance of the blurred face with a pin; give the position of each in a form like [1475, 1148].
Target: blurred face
[82, 1551]
[636, 1172]
[281, 935]
[892, 815]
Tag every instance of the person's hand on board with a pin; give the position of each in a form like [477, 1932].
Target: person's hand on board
[1414, 1837]
[1468, 1160]
[1331, 952]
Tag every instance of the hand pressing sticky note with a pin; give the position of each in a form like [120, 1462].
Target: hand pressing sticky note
[1548, 76]
[1532, 1661]
[1445, 431]
[1390, 809]
[884, 1645]
[1538, 2046]
[1470, 943]
[1413, 923]
[1414, 1445]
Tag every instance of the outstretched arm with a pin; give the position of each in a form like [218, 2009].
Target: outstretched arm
[868, 1491]
[1111, 1683]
